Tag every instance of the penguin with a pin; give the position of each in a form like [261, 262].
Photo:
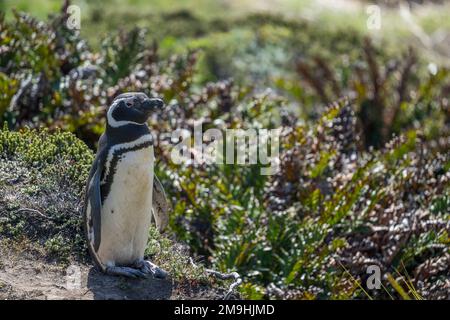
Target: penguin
[123, 196]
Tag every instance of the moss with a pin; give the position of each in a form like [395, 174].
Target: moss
[43, 175]
[174, 258]
[45, 151]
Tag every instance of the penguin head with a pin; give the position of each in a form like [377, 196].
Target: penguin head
[132, 108]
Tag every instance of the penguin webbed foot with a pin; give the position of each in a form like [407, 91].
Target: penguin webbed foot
[125, 272]
[150, 268]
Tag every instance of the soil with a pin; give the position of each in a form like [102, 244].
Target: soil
[22, 276]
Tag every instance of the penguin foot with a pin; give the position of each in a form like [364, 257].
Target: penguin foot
[126, 272]
[149, 267]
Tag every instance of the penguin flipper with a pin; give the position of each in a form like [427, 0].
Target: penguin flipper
[160, 205]
[96, 206]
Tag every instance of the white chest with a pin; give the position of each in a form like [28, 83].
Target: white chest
[134, 171]
[131, 188]
[126, 211]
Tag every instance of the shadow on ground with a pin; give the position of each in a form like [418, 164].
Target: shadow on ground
[104, 287]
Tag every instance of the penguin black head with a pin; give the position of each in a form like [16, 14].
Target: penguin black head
[132, 108]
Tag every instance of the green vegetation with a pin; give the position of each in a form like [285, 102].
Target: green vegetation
[364, 180]
[42, 179]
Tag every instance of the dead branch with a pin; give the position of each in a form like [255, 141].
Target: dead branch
[34, 211]
[223, 276]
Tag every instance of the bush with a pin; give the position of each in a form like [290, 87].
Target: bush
[41, 182]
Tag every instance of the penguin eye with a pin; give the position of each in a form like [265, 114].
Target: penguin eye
[129, 104]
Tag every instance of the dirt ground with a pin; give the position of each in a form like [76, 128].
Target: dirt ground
[24, 277]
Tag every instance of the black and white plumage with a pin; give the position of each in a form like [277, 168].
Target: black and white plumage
[122, 195]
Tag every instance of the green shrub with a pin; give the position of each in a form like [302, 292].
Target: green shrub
[336, 206]
[41, 182]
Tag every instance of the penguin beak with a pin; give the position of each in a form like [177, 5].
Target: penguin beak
[149, 105]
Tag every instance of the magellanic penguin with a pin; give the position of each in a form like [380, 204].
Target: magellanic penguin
[122, 194]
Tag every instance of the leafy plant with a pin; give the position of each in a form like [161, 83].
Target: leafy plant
[363, 180]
